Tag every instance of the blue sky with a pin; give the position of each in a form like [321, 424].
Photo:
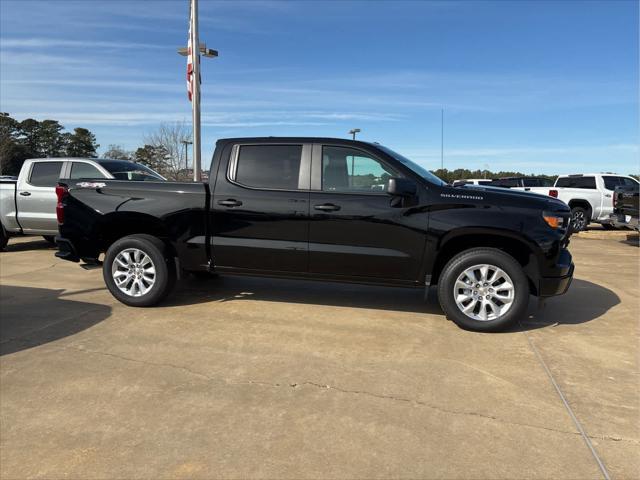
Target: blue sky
[547, 87]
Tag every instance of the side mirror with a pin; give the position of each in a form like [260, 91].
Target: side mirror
[401, 187]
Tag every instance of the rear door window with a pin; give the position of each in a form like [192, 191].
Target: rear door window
[274, 167]
[45, 174]
[84, 170]
[610, 183]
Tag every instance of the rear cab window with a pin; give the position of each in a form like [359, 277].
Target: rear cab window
[270, 167]
[45, 174]
[577, 182]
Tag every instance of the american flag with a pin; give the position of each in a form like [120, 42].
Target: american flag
[190, 59]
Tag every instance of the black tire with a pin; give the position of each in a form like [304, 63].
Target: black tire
[483, 256]
[579, 219]
[50, 238]
[165, 271]
[4, 238]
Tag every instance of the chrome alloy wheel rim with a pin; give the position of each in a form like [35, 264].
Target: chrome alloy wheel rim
[484, 292]
[133, 272]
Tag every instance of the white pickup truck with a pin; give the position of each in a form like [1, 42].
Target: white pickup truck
[28, 204]
[589, 195]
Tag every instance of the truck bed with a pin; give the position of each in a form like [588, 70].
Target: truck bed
[98, 211]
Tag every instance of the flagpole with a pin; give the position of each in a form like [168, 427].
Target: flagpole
[195, 103]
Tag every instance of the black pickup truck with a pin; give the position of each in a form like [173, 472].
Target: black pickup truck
[626, 207]
[323, 209]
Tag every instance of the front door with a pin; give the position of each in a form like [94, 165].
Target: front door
[356, 229]
[36, 198]
[260, 208]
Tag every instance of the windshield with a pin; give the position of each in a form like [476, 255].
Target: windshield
[414, 167]
[123, 170]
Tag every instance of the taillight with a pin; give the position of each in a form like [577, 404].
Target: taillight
[553, 193]
[615, 198]
[61, 192]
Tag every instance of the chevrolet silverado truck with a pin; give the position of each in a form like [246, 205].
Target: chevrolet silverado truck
[323, 209]
[590, 196]
[28, 203]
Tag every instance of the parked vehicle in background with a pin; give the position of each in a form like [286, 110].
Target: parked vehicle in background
[625, 207]
[589, 195]
[323, 209]
[524, 182]
[28, 203]
[472, 181]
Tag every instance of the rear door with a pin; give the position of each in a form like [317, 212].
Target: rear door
[260, 208]
[36, 197]
[356, 229]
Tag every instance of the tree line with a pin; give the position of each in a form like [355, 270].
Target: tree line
[463, 173]
[33, 139]
[163, 149]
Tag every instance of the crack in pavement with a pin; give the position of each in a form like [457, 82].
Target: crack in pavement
[582, 432]
[227, 382]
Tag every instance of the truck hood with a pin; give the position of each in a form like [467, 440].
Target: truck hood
[501, 194]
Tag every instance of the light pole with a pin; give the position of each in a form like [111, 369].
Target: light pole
[442, 140]
[195, 82]
[353, 132]
[186, 144]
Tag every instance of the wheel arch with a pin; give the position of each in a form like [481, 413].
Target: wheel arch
[582, 203]
[522, 250]
[116, 225]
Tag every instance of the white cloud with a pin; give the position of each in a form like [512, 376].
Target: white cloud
[44, 43]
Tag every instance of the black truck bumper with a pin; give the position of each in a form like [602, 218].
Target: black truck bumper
[559, 283]
[66, 250]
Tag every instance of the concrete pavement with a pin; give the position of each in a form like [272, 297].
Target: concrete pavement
[258, 378]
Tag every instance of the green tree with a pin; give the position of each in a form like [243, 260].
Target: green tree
[12, 152]
[154, 157]
[50, 139]
[81, 143]
[42, 139]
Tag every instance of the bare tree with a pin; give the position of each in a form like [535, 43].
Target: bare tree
[170, 137]
[117, 152]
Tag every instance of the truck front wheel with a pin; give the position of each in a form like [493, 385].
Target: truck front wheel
[139, 271]
[483, 289]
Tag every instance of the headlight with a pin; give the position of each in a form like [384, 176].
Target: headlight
[554, 220]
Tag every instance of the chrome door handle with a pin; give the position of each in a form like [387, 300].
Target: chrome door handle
[25, 194]
[327, 207]
[230, 203]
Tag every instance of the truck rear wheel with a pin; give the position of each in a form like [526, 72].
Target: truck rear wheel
[579, 219]
[483, 289]
[139, 271]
